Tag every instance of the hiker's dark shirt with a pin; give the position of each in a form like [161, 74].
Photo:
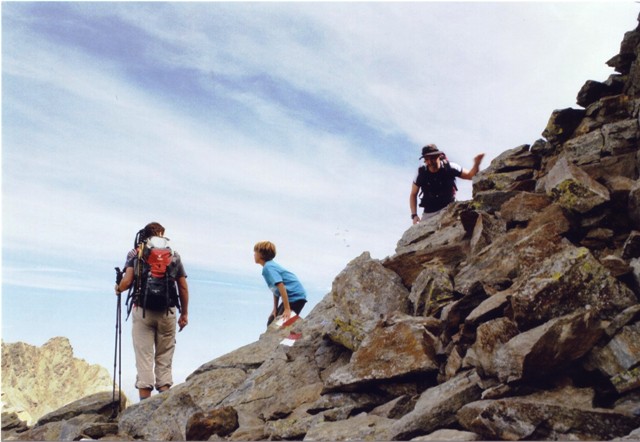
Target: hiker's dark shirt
[437, 189]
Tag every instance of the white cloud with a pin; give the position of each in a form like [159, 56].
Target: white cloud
[93, 149]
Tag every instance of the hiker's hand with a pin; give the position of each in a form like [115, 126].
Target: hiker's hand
[286, 315]
[117, 289]
[415, 220]
[478, 159]
[183, 321]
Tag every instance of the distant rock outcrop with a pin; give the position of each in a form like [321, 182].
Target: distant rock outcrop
[514, 316]
[38, 380]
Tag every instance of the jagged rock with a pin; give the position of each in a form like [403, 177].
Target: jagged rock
[486, 229]
[91, 425]
[294, 426]
[633, 436]
[446, 434]
[620, 137]
[396, 348]
[246, 358]
[11, 421]
[349, 403]
[438, 239]
[220, 421]
[620, 355]
[261, 394]
[491, 308]
[363, 293]
[523, 207]
[395, 408]
[39, 380]
[161, 417]
[562, 123]
[436, 407]
[492, 201]
[543, 349]
[454, 314]
[584, 149]
[431, 290]
[631, 248]
[593, 91]
[574, 189]
[360, 427]
[208, 389]
[616, 265]
[566, 281]
[563, 414]
[100, 403]
[509, 171]
[516, 254]
[12, 425]
[517, 158]
[489, 337]
[623, 61]
[634, 205]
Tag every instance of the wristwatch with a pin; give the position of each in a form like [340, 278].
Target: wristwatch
[413, 215]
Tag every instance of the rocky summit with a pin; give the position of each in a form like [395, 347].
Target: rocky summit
[513, 316]
[39, 380]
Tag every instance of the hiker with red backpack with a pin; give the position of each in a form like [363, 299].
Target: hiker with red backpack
[436, 182]
[157, 284]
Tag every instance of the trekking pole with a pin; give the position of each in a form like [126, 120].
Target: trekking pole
[117, 357]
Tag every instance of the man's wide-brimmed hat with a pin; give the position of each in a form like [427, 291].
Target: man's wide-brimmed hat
[429, 150]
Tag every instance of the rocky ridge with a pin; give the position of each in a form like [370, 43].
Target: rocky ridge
[514, 316]
[39, 380]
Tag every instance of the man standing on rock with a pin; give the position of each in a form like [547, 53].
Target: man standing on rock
[160, 289]
[436, 181]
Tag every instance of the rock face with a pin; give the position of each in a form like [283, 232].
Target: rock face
[514, 316]
[39, 380]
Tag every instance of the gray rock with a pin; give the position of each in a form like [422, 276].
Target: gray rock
[436, 407]
[359, 428]
[539, 351]
[431, 290]
[98, 403]
[516, 254]
[446, 434]
[40, 380]
[562, 123]
[439, 239]
[161, 417]
[566, 281]
[563, 414]
[363, 293]
[219, 421]
[396, 348]
[490, 336]
[574, 189]
[618, 358]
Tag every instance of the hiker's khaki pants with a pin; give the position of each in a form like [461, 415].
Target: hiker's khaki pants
[154, 341]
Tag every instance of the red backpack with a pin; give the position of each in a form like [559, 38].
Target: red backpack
[154, 289]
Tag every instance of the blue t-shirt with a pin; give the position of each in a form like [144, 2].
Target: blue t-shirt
[273, 273]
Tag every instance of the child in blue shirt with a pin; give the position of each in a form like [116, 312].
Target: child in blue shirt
[282, 283]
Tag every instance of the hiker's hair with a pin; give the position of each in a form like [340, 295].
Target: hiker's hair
[266, 249]
[153, 229]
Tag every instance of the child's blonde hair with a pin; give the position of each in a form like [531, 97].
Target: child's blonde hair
[266, 249]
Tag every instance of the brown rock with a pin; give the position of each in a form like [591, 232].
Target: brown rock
[221, 421]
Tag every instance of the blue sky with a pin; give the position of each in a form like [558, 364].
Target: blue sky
[231, 123]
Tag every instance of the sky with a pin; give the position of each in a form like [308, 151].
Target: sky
[231, 123]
